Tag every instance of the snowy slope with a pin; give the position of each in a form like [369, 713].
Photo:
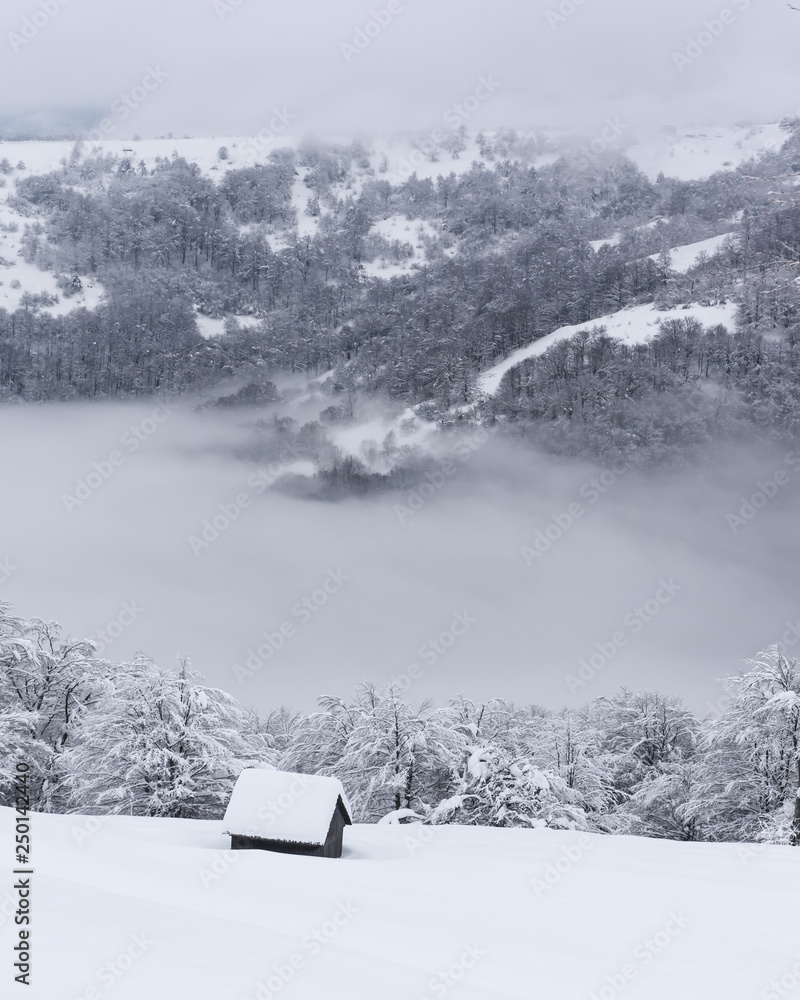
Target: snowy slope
[634, 325]
[365, 439]
[687, 154]
[395, 157]
[681, 257]
[42, 156]
[399, 228]
[612, 241]
[211, 326]
[685, 257]
[156, 909]
[690, 154]
[17, 276]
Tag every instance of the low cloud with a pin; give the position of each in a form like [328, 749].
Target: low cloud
[536, 619]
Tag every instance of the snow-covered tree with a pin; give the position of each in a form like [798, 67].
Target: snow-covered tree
[500, 771]
[495, 788]
[376, 744]
[19, 744]
[46, 685]
[665, 804]
[571, 745]
[650, 741]
[159, 744]
[751, 767]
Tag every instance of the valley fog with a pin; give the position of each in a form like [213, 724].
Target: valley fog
[518, 575]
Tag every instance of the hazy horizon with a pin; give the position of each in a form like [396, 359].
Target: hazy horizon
[359, 68]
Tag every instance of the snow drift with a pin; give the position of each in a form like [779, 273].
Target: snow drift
[159, 909]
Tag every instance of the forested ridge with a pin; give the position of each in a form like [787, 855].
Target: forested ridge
[132, 738]
[508, 257]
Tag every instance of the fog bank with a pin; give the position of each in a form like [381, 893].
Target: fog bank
[497, 579]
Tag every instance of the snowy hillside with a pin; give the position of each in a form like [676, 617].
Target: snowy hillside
[18, 277]
[681, 259]
[634, 325]
[690, 153]
[159, 909]
[685, 154]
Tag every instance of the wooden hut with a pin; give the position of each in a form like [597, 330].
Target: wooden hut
[288, 813]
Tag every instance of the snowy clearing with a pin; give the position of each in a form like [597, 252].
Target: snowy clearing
[307, 225]
[399, 228]
[692, 153]
[161, 909]
[634, 325]
[685, 257]
[42, 156]
[687, 154]
[364, 440]
[17, 276]
[611, 241]
[214, 326]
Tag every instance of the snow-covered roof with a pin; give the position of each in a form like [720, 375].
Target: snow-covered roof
[282, 805]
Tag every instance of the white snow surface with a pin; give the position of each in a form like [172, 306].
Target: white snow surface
[689, 153]
[365, 439]
[13, 269]
[307, 225]
[399, 154]
[611, 241]
[685, 257]
[42, 156]
[411, 231]
[692, 153]
[634, 325]
[213, 326]
[280, 805]
[140, 908]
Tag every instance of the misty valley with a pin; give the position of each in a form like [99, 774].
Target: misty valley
[399, 477]
[535, 384]
[453, 478]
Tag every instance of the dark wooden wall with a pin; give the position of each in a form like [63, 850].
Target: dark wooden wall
[239, 843]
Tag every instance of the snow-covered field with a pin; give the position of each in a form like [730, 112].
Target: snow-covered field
[403, 230]
[610, 241]
[17, 276]
[686, 153]
[210, 326]
[634, 325]
[691, 153]
[395, 157]
[159, 909]
[685, 257]
[682, 258]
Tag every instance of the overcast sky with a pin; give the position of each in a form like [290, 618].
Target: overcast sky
[230, 66]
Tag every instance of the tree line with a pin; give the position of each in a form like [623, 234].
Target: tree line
[508, 258]
[655, 402]
[136, 739]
